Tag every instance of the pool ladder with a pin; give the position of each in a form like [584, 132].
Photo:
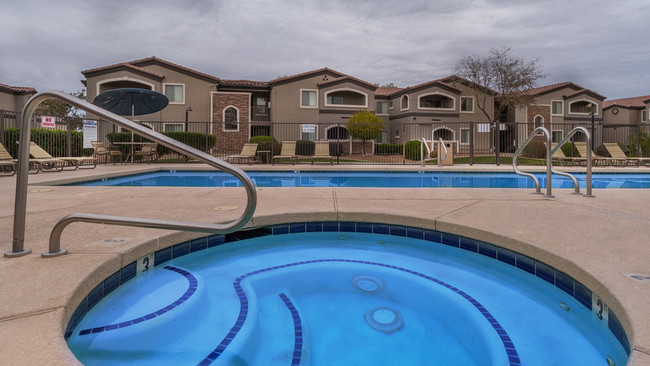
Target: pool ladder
[55, 236]
[549, 165]
[441, 145]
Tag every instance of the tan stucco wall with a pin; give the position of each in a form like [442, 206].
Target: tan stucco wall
[285, 100]
[12, 102]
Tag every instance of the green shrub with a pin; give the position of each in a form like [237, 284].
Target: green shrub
[267, 143]
[305, 147]
[645, 144]
[602, 151]
[55, 142]
[388, 149]
[196, 140]
[412, 150]
[570, 150]
[535, 149]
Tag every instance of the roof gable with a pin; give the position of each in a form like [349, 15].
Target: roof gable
[19, 90]
[138, 66]
[305, 75]
[633, 102]
[346, 78]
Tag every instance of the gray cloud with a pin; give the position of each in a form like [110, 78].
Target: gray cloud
[597, 44]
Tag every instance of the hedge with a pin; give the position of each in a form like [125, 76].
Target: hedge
[412, 150]
[55, 142]
[193, 139]
[267, 143]
[389, 149]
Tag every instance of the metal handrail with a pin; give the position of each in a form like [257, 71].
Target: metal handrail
[424, 141]
[588, 163]
[55, 235]
[549, 166]
[442, 143]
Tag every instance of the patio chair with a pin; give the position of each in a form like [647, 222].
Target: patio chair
[7, 163]
[48, 162]
[560, 157]
[616, 152]
[148, 151]
[288, 152]
[248, 153]
[100, 151]
[322, 151]
[582, 150]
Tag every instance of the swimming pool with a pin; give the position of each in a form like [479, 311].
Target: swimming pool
[329, 293]
[403, 179]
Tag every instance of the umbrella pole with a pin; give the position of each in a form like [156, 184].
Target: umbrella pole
[132, 118]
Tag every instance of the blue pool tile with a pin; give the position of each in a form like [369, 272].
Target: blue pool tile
[162, 256]
[181, 249]
[314, 227]
[128, 272]
[96, 295]
[583, 294]
[280, 229]
[347, 226]
[297, 227]
[545, 272]
[506, 256]
[111, 283]
[415, 233]
[198, 244]
[364, 227]
[214, 240]
[468, 244]
[450, 239]
[487, 249]
[397, 230]
[617, 330]
[330, 226]
[380, 228]
[433, 235]
[564, 282]
[526, 263]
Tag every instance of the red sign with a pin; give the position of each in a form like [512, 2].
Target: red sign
[48, 122]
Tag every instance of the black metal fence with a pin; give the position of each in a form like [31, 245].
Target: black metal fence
[467, 142]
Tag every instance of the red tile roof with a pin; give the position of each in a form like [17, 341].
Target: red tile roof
[347, 78]
[582, 91]
[306, 74]
[577, 89]
[244, 83]
[18, 89]
[384, 92]
[633, 102]
[137, 65]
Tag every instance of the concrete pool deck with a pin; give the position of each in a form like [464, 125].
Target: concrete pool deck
[601, 241]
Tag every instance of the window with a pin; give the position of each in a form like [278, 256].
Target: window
[467, 105]
[383, 138]
[231, 119]
[583, 107]
[333, 99]
[557, 108]
[436, 101]
[337, 133]
[390, 105]
[404, 103]
[346, 98]
[557, 136]
[464, 135]
[174, 127]
[261, 107]
[308, 132]
[444, 134]
[308, 99]
[175, 93]
[382, 108]
[644, 115]
[539, 121]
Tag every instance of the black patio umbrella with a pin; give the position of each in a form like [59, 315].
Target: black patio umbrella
[131, 101]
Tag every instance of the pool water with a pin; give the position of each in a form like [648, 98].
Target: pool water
[368, 179]
[334, 298]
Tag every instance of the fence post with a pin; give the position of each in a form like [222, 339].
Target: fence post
[638, 140]
[68, 137]
[2, 126]
[471, 143]
[207, 134]
[497, 143]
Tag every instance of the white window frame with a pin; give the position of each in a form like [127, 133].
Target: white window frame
[390, 104]
[461, 104]
[309, 106]
[581, 113]
[364, 105]
[561, 107]
[387, 104]
[175, 84]
[453, 102]
[535, 123]
[223, 119]
[408, 101]
[553, 134]
[173, 124]
[461, 136]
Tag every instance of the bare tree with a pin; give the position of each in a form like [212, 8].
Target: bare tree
[501, 77]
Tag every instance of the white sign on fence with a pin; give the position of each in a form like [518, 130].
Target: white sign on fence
[48, 122]
[308, 128]
[90, 133]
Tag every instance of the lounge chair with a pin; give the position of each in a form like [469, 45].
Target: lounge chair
[48, 162]
[7, 163]
[288, 152]
[560, 157]
[616, 152]
[100, 151]
[596, 159]
[149, 151]
[322, 151]
[248, 153]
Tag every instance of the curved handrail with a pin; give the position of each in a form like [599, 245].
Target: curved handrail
[588, 163]
[424, 141]
[549, 166]
[55, 235]
[442, 143]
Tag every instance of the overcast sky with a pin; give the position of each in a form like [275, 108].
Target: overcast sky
[600, 45]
